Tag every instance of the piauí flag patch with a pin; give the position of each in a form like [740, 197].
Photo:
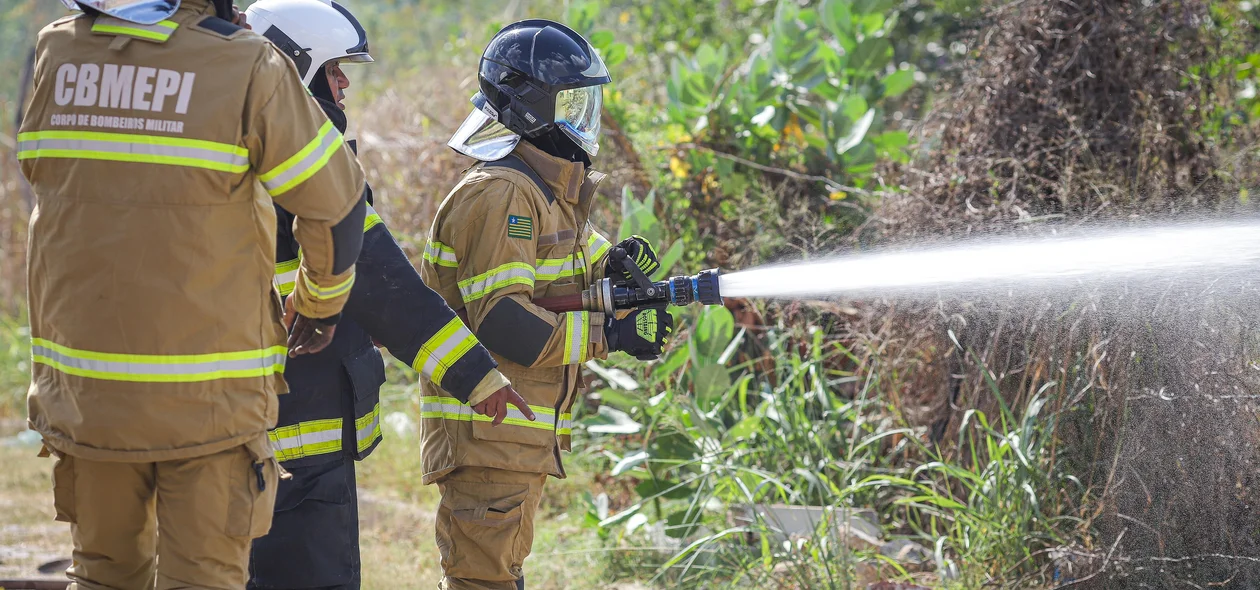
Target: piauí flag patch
[521, 227]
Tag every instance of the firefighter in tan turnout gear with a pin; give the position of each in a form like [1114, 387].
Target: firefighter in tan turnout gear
[157, 137]
[515, 228]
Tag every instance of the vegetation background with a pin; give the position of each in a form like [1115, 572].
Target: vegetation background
[1090, 439]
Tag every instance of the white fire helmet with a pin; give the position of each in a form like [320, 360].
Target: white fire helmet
[311, 32]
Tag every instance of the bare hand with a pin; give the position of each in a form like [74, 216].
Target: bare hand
[306, 336]
[496, 406]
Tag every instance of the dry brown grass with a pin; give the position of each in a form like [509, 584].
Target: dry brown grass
[1078, 112]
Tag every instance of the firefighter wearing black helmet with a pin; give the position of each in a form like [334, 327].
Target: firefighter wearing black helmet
[516, 228]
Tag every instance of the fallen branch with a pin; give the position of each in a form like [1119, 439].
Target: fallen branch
[1106, 562]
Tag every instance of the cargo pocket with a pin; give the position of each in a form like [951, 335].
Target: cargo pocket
[366, 369]
[484, 534]
[252, 489]
[540, 394]
[63, 488]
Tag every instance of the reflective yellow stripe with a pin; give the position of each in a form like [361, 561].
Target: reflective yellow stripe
[439, 254]
[577, 332]
[159, 32]
[597, 245]
[150, 368]
[449, 408]
[332, 292]
[512, 273]
[442, 350]
[286, 274]
[124, 147]
[367, 428]
[372, 220]
[306, 439]
[304, 164]
[565, 425]
[553, 269]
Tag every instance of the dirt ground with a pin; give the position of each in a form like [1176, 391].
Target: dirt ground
[396, 520]
[29, 537]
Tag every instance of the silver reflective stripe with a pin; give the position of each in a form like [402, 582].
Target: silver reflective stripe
[597, 244]
[490, 282]
[306, 438]
[435, 252]
[446, 408]
[368, 432]
[555, 269]
[311, 160]
[443, 410]
[141, 369]
[286, 278]
[577, 337]
[138, 148]
[440, 353]
[565, 426]
[540, 420]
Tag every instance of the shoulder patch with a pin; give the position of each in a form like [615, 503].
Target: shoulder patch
[219, 27]
[520, 227]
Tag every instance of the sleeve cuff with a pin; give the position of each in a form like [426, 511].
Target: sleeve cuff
[598, 348]
[492, 382]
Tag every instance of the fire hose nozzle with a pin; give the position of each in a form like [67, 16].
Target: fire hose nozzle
[607, 296]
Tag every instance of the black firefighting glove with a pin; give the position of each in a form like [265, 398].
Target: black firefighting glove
[638, 252]
[643, 334]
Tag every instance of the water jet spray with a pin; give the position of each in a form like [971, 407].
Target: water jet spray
[977, 266]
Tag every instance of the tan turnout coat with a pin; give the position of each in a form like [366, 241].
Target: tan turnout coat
[155, 153]
[498, 237]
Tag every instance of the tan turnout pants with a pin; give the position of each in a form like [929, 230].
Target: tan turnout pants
[485, 526]
[170, 525]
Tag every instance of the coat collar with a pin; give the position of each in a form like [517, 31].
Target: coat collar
[570, 181]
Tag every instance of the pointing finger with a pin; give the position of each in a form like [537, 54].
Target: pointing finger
[521, 405]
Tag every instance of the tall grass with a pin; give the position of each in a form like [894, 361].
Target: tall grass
[804, 430]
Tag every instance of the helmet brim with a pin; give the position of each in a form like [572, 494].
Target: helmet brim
[482, 137]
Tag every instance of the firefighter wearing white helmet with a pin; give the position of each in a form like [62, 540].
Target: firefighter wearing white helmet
[158, 135]
[332, 419]
[312, 33]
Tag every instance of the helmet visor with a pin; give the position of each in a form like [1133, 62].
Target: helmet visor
[481, 136]
[141, 12]
[577, 114]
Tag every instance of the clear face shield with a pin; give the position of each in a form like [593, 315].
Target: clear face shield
[141, 12]
[482, 136]
[577, 114]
